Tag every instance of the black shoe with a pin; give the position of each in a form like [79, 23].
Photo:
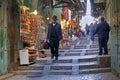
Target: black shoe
[56, 58]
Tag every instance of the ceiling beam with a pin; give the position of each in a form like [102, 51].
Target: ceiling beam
[60, 2]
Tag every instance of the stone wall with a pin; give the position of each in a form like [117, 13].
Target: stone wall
[113, 17]
[104, 61]
[12, 33]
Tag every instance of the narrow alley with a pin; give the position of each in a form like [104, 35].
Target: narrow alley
[76, 62]
[59, 39]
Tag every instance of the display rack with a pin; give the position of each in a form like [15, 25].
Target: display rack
[28, 33]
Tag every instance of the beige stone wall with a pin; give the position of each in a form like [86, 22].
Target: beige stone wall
[113, 17]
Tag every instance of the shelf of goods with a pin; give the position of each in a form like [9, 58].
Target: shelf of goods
[28, 26]
[28, 56]
[24, 23]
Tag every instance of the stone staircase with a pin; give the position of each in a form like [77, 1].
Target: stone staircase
[79, 58]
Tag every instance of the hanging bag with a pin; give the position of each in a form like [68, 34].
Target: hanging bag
[46, 45]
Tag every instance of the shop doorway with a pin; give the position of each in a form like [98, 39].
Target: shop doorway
[3, 39]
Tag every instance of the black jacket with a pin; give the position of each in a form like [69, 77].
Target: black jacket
[58, 31]
[102, 29]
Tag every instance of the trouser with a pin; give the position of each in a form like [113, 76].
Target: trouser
[103, 45]
[91, 37]
[54, 46]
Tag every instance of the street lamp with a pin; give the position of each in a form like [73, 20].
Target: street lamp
[35, 12]
[64, 20]
[67, 22]
[48, 18]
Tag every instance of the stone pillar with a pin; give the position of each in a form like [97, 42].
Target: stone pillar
[13, 34]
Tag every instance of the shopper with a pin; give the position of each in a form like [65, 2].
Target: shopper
[91, 32]
[70, 32]
[54, 36]
[87, 29]
[103, 30]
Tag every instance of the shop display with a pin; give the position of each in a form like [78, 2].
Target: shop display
[31, 33]
[28, 26]
[28, 33]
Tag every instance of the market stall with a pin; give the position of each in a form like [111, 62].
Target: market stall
[28, 34]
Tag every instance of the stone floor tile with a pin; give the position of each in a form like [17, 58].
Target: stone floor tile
[101, 76]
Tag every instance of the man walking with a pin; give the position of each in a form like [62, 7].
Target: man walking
[103, 30]
[54, 36]
[87, 29]
[91, 32]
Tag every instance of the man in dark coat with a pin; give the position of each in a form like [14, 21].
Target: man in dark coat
[103, 30]
[54, 36]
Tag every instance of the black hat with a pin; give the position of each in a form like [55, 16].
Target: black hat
[54, 17]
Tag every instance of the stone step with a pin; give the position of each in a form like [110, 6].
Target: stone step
[79, 47]
[72, 54]
[60, 72]
[65, 70]
[83, 41]
[92, 50]
[64, 66]
[91, 53]
[75, 50]
[68, 59]
[88, 58]
[91, 65]
[28, 72]
[78, 50]
[79, 65]
[78, 53]
[68, 47]
[58, 61]
[60, 66]
[85, 71]
[63, 50]
[93, 46]
[42, 61]
[95, 70]
[31, 67]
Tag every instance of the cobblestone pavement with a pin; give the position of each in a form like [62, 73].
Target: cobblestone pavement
[100, 76]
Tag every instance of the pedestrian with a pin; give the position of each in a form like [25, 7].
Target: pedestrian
[87, 29]
[70, 32]
[103, 30]
[91, 33]
[54, 36]
[95, 24]
[83, 33]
